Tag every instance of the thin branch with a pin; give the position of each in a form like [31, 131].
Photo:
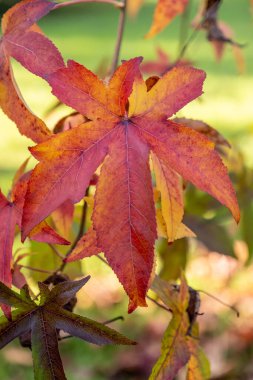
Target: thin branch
[79, 235]
[184, 26]
[120, 318]
[56, 251]
[121, 26]
[104, 261]
[116, 3]
[220, 301]
[37, 269]
[159, 304]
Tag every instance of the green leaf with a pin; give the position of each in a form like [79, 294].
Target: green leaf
[175, 353]
[63, 292]
[198, 367]
[87, 329]
[180, 344]
[45, 320]
[11, 298]
[46, 357]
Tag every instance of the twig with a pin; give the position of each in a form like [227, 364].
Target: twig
[116, 3]
[184, 27]
[159, 304]
[37, 269]
[56, 251]
[114, 320]
[121, 25]
[220, 301]
[104, 261]
[79, 235]
[192, 36]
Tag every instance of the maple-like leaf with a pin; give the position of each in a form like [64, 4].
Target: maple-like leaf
[44, 319]
[165, 12]
[24, 41]
[127, 121]
[11, 210]
[180, 345]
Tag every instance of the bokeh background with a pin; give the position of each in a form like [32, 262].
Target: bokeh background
[220, 260]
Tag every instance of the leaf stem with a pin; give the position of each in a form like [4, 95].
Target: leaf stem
[159, 304]
[120, 318]
[36, 269]
[79, 235]
[56, 251]
[116, 3]
[121, 26]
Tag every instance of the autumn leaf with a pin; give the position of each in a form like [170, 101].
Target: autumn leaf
[44, 320]
[126, 122]
[175, 353]
[11, 209]
[165, 12]
[198, 367]
[218, 32]
[23, 41]
[161, 64]
[133, 7]
[180, 344]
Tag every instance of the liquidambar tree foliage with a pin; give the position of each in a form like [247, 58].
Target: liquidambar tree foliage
[122, 155]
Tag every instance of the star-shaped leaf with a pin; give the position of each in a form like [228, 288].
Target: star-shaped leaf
[45, 319]
[127, 121]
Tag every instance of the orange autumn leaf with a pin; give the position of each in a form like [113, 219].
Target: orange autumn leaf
[165, 12]
[170, 187]
[24, 41]
[126, 122]
[133, 7]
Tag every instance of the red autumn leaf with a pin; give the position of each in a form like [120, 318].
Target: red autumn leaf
[63, 218]
[127, 121]
[165, 12]
[161, 64]
[23, 41]
[10, 216]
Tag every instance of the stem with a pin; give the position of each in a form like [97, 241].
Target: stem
[184, 27]
[159, 304]
[121, 26]
[37, 269]
[56, 251]
[79, 235]
[116, 3]
[220, 301]
[104, 261]
[120, 318]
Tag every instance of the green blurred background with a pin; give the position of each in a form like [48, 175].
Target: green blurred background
[87, 33]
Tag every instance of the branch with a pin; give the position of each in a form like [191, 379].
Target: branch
[121, 26]
[116, 3]
[56, 252]
[79, 235]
